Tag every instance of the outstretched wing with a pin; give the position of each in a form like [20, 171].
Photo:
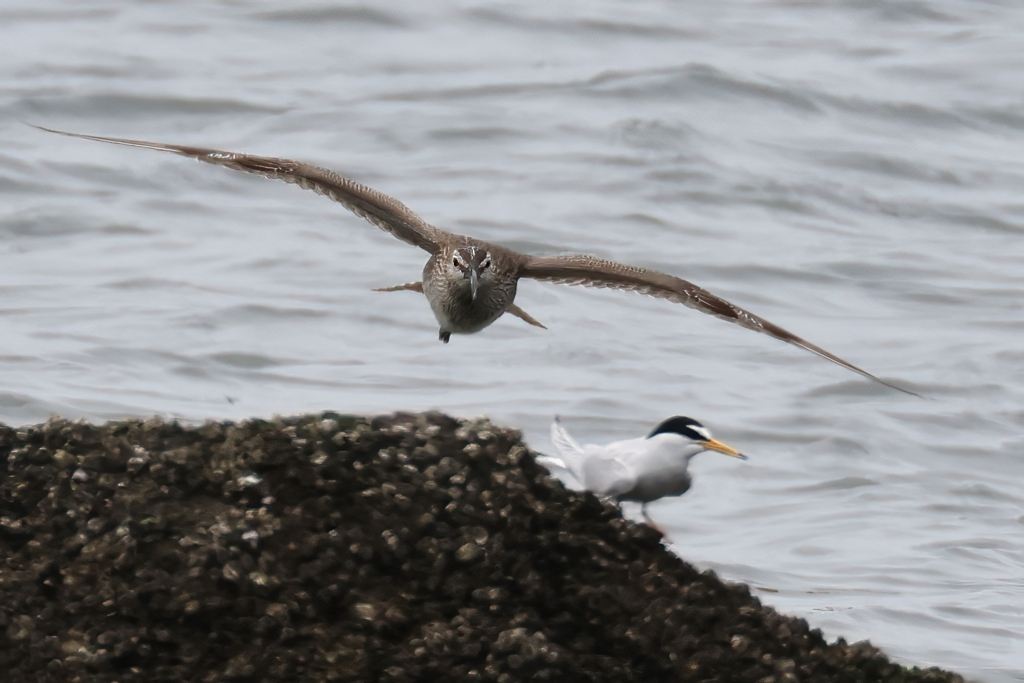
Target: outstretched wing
[591, 271]
[387, 213]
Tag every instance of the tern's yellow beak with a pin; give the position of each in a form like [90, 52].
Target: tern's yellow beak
[716, 445]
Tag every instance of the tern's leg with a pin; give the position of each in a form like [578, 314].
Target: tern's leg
[650, 522]
[411, 286]
[523, 315]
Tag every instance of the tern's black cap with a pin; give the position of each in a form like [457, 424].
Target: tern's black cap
[683, 426]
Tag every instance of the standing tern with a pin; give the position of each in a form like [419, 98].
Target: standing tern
[641, 470]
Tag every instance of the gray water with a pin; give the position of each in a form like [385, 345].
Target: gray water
[852, 171]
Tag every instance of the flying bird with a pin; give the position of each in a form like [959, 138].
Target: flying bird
[642, 470]
[470, 283]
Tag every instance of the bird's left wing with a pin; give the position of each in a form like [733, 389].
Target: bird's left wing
[591, 271]
[608, 472]
[387, 213]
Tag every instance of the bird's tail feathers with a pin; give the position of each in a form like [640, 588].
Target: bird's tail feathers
[565, 444]
[569, 452]
[560, 470]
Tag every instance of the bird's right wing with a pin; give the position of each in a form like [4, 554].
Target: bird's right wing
[591, 271]
[387, 213]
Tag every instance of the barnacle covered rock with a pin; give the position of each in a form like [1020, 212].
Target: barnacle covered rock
[335, 548]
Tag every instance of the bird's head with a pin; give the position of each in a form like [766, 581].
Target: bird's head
[474, 265]
[694, 434]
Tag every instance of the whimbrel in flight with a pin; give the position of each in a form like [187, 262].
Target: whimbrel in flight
[471, 283]
[642, 470]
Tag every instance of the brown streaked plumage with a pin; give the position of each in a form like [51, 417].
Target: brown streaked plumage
[470, 283]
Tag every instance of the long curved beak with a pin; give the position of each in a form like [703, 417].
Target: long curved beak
[474, 281]
[716, 445]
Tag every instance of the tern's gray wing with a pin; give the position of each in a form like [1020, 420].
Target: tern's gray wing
[591, 271]
[387, 213]
[607, 474]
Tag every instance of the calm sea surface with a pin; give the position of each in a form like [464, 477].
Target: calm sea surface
[853, 171]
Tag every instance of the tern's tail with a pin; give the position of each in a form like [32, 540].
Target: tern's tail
[566, 465]
[566, 445]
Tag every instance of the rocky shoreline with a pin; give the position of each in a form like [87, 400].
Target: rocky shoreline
[334, 548]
